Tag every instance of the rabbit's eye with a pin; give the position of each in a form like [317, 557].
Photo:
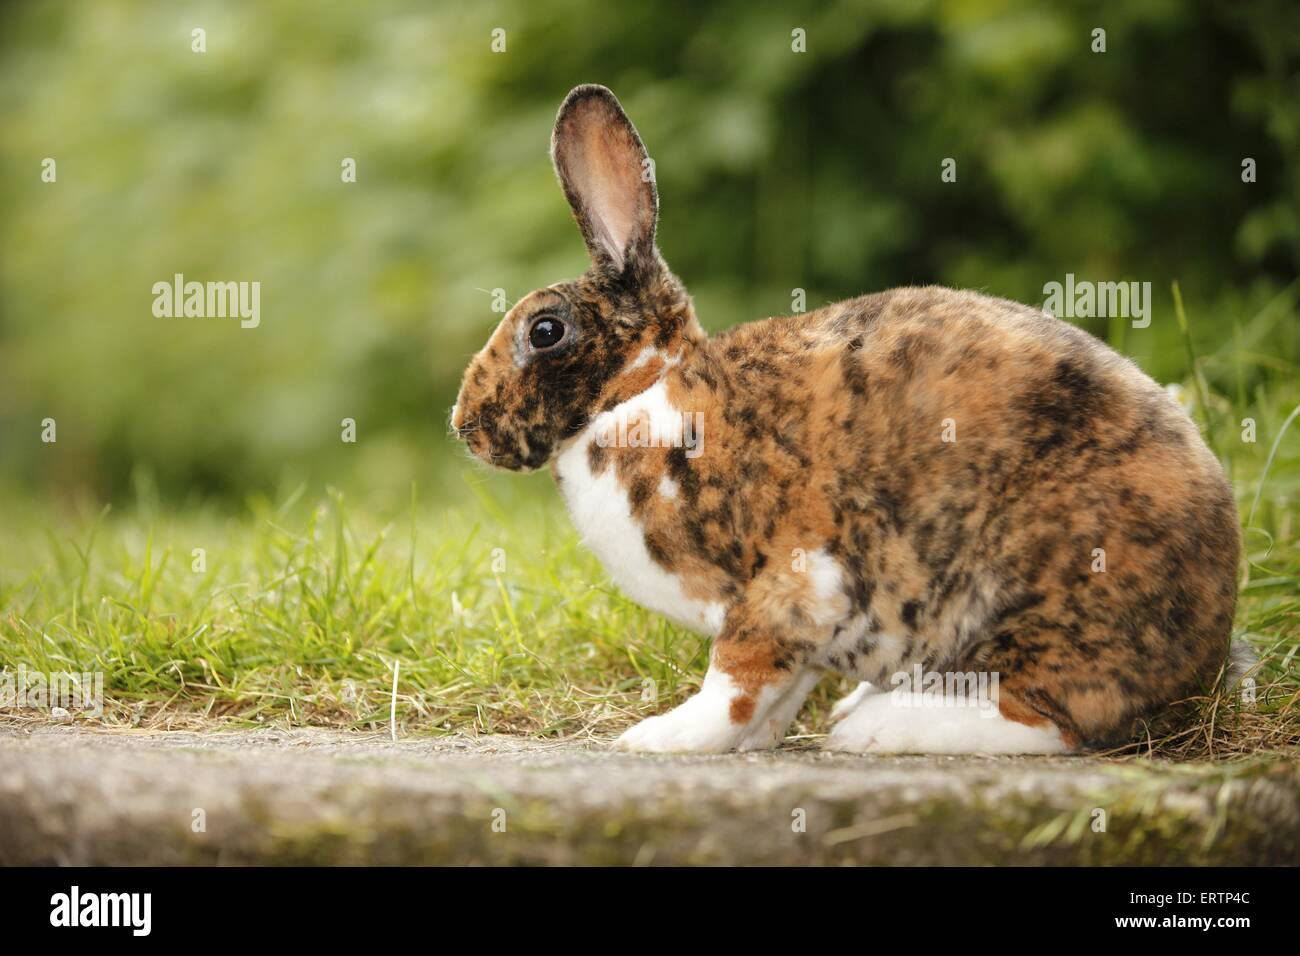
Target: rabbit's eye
[545, 333]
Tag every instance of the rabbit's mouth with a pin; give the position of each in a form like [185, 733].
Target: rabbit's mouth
[515, 452]
[521, 454]
[508, 460]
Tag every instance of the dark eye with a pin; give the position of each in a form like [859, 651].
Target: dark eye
[545, 333]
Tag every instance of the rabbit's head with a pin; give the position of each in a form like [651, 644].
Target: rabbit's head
[565, 353]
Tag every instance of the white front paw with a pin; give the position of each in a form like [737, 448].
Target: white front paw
[683, 730]
[849, 703]
[763, 735]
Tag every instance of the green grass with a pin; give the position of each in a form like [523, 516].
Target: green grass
[496, 618]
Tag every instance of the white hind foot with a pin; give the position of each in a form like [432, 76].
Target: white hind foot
[849, 702]
[906, 723]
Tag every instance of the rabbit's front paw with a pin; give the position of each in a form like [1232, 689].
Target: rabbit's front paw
[685, 729]
[849, 703]
[702, 725]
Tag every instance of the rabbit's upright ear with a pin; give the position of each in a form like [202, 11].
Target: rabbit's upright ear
[607, 177]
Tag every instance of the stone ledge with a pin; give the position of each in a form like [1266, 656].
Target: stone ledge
[69, 795]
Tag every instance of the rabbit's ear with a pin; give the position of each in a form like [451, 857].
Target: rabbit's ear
[607, 177]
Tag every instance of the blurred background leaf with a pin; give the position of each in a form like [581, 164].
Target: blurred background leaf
[777, 170]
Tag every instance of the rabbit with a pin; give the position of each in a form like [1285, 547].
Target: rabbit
[915, 487]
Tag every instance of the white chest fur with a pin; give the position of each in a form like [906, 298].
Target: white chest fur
[602, 513]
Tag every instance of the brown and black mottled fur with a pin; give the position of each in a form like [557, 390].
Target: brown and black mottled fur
[827, 430]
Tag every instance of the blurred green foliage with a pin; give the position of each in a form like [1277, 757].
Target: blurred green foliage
[777, 170]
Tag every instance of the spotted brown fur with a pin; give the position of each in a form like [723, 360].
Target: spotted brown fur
[825, 432]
